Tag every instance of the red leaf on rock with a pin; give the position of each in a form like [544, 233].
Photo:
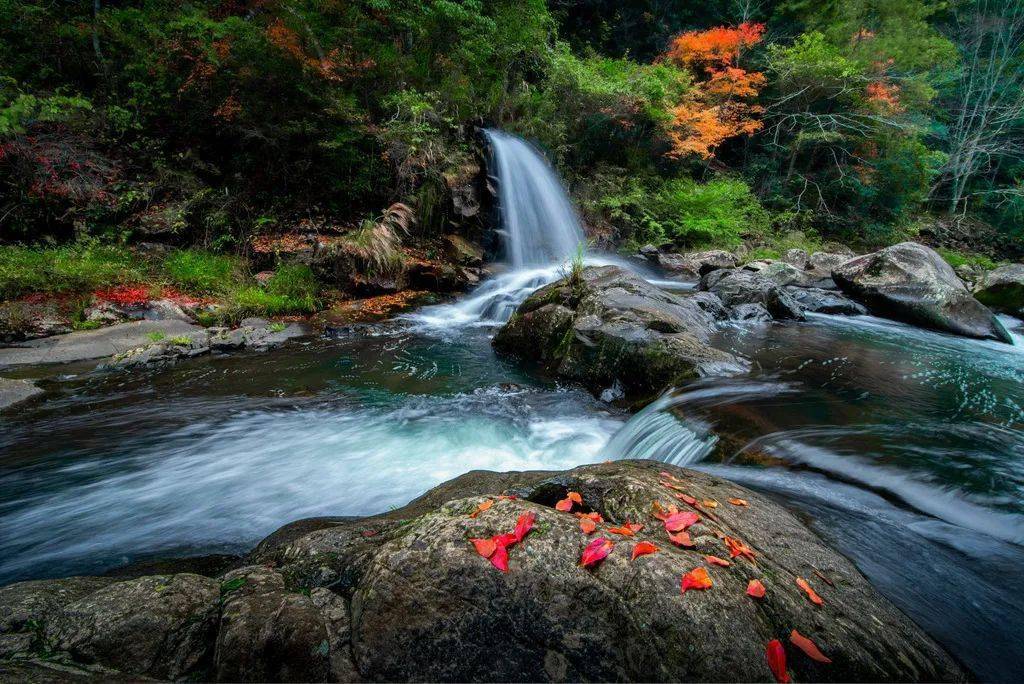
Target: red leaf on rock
[811, 594]
[738, 548]
[524, 525]
[776, 656]
[485, 547]
[662, 513]
[483, 506]
[669, 476]
[682, 539]
[738, 502]
[624, 531]
[507, 539]
[596, 552]
[686, 498]
[565, 505]
[642, 549]
[596, 517]
[808, 647]
[575, 497]
[695, 579]
[587, 525]
[755, 589]
[499, 558]
[715, 560]
[677, 522]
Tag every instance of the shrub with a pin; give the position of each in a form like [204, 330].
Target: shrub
[79, 266]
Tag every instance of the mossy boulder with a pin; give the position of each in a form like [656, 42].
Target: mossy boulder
[1002, 289]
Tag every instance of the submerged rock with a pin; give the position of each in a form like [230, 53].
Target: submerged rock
[610, 326]
[404, 596]
[912, 283]
[1003, 289]
[14, 392]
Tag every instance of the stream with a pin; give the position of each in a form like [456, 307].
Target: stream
[903, 448]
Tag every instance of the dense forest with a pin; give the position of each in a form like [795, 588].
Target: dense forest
[673, 122]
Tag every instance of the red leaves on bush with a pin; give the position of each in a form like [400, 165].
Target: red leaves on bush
[695, 579]
[808, 647]
[755, 589]
[681, 539]
[596, 552]
[483, 506]
[811, 594]
[776, 656]
[565, 505]
[678, 522]
[715, 560]
[642, 549]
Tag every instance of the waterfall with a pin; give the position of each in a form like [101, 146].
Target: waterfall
[539, 228]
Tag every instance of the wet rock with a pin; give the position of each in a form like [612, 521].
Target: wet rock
[410, 599]
[693, 265]
[609, 325]
[159, 626]
[461, 251]
[783, 274]
[817, 300]
[739, 286]
[912, 283]
[14, 392]
[749, 312]
[161, 353]
[1003, 289]
[649, 251]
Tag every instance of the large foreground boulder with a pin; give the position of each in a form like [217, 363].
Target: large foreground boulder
[406, 596]
[605, 326]
[912, 283]
[1003, 289]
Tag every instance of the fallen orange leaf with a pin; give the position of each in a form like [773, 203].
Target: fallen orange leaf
[485, 547]
[669, 476]
[596, 517]
[682, 539]
[738, 502]
[695, 579]
[575, 497]
[624, 531]
[808, 647]
[642, 549]
[565, 505]
[587, 525]
[710, 503]
[776, 656]
[715, 560]
[811, 594]
[738, 548]
[483, 506]
[755, 589]
[596, 552]
[686, 498]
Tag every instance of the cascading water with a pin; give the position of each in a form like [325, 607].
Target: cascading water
[540, 231]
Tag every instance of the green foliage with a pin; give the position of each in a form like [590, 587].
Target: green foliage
[201, 272]
[78, 267]
[155, 336]
[957, 259]
[18, 110]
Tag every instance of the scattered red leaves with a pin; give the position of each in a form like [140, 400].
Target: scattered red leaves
[811, 594]
[687, 499]
[697, 578]
[565, 505]
[715, 560]
[124, 295]
[642, 549]
[669, 476]
[808, 647]
[660, 512]
[738, 548]
[738, 502]
[596, 552]
[483, 506]
[681, 539]
[776, 655]
[679, 522]
[627, 530]
[496, 548]
[755, 589]
[587, 525]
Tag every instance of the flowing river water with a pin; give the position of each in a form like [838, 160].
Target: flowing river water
[903, 448]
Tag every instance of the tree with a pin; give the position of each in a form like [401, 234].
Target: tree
[717, 108]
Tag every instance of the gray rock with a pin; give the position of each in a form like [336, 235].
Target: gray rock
[14, 392]
[106, 313]
[783, 273]
[817, 300]
[749, 312]
[165, 310]
[612, 326]
[796, 257]
[159, 626]
[161, 353]
[693, 265]
[403, 596]
[912, 283]
[25, 604]
[648, 251]
[739, 286]
[1003, 289]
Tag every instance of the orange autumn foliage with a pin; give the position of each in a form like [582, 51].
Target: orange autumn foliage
[715, 110]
